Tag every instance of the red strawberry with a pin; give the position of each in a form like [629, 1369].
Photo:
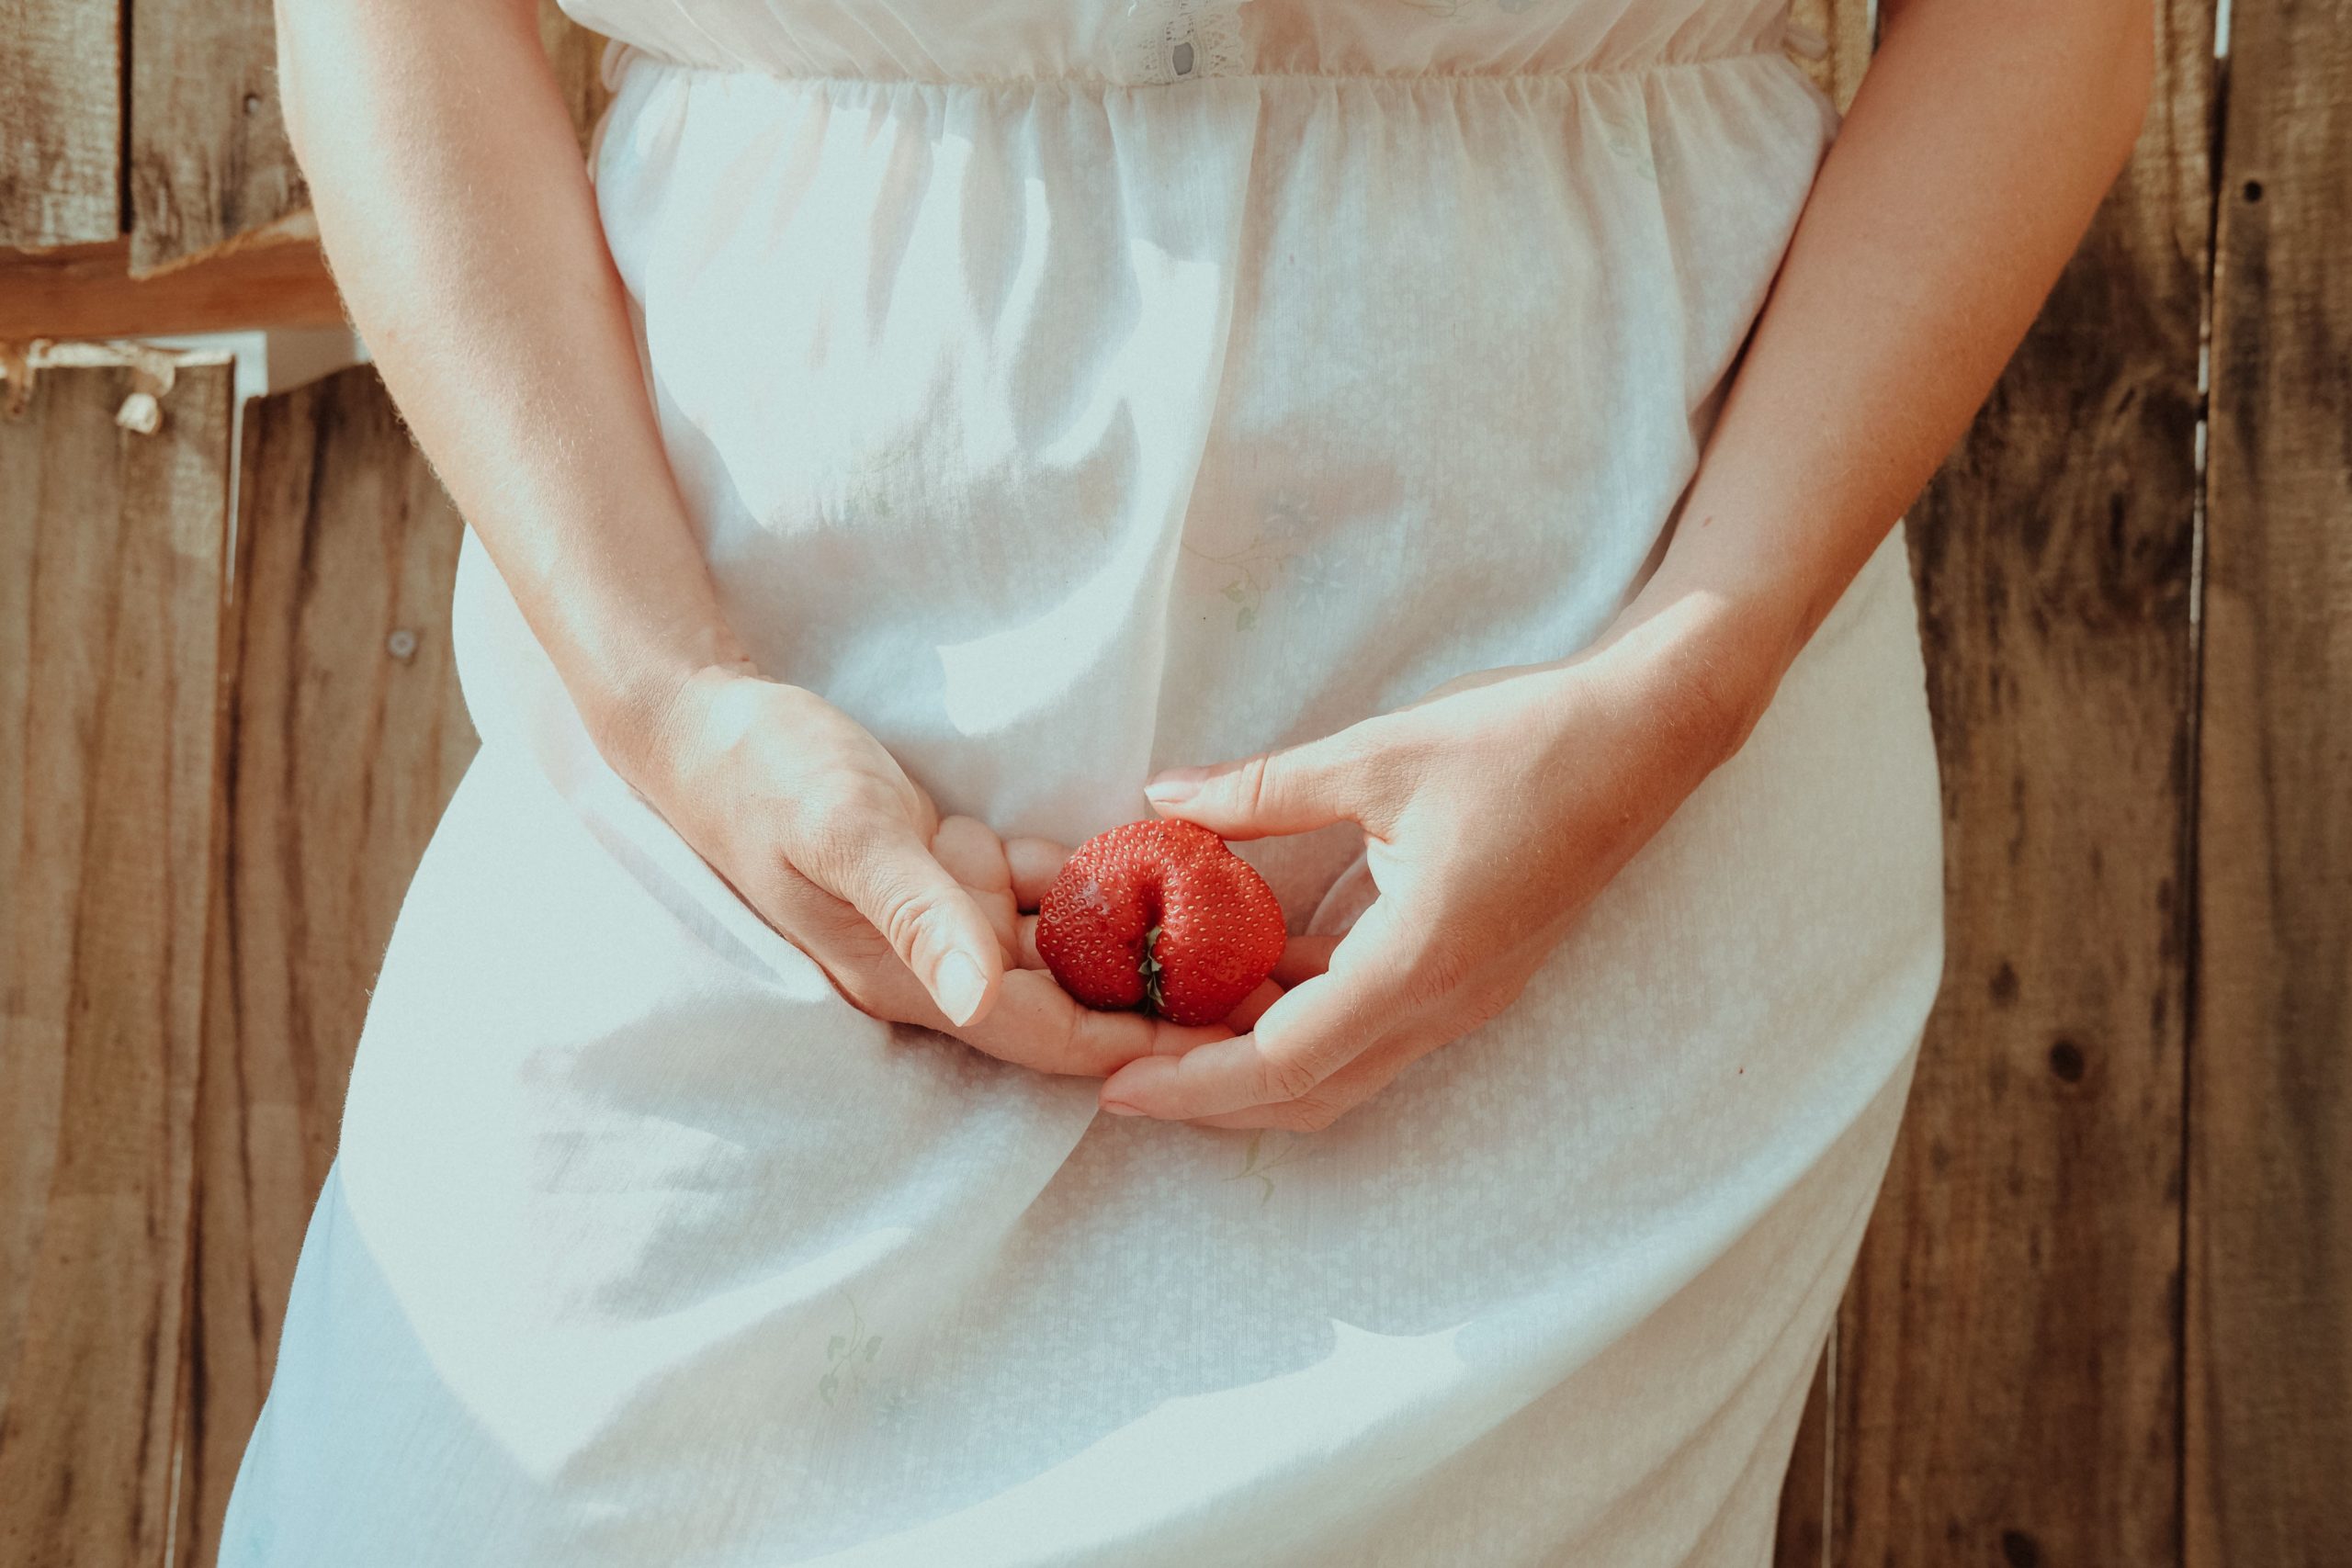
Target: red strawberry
[1160, 914]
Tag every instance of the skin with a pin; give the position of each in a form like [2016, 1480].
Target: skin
[457, 215]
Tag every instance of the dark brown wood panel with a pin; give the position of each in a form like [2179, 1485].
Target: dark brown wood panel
[61, 122]
[2007, 1386]
[111, 559]
[346, 738]
[2271, 1319]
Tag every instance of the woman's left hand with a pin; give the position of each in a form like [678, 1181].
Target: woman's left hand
[1495, 808]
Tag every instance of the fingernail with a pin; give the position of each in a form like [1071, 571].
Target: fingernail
[1175, 786]
[1115, 1109]
[960, 988]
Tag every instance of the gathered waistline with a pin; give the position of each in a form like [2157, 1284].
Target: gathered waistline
[618, 54]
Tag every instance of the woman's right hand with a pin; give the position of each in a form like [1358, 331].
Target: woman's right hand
[915, 917]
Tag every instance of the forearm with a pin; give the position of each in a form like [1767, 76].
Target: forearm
[458, 220]
[1974, 158]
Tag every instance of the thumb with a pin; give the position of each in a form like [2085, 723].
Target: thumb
[931, 921]
[1293, 790]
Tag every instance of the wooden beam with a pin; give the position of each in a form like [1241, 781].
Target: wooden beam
[86, 291]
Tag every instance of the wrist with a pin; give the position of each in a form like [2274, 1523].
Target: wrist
[635, 714]
[1707, 663]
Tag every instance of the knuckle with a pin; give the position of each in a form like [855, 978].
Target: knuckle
[1254, 783]
[1291, 1076]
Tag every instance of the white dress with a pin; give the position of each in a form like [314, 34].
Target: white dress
[1069, 389]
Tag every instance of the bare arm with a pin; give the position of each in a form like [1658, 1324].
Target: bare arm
[460, 224]
[1976, 150]
[1498, 807]
[456, 214]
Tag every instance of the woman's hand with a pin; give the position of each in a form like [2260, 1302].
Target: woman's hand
[915, 917]
[1494, 809]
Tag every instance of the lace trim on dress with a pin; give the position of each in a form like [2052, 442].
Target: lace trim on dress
[1176, 41]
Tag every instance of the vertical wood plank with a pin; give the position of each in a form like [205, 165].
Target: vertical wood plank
[111, 558]
[60, 123]
[209, 158]
[346, 738]
[2009, 1352]
[2269, 1403]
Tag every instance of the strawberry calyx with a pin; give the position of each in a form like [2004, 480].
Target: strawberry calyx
[1149, 969]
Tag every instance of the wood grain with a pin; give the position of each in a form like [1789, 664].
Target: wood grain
[111, 560]
[346, 738]
[86, 291]
[209, 159]
[61, 122]
[2269, 1407]
[2008, 1388]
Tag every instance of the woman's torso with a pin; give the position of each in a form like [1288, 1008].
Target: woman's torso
[1062, 418]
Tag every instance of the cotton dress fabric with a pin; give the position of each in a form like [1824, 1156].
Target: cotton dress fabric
[1066, 390]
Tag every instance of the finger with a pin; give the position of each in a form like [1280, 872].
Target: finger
[1334, 1098]
[1293, 790]
[1309, 1033]
[975, 856]
[972, 854]
[1026, 952]
[1304, 957]
[1034, 862]
[1038, 1025]
[932, 921]
[1253, 1007]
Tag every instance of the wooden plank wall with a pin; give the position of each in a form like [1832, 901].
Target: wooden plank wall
[112, 560]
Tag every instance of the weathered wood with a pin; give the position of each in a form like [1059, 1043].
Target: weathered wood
[61, 122]
[111, 558]
[2007, 1386]
[86, 291]
[209, 164]
[2269, 1407]
[347, 736]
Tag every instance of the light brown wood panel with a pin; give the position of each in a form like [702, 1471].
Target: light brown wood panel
[347, 737]
[2270, 1404]
[111, 559]
[209, 159]
[61, 122]
[2007, 1380]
